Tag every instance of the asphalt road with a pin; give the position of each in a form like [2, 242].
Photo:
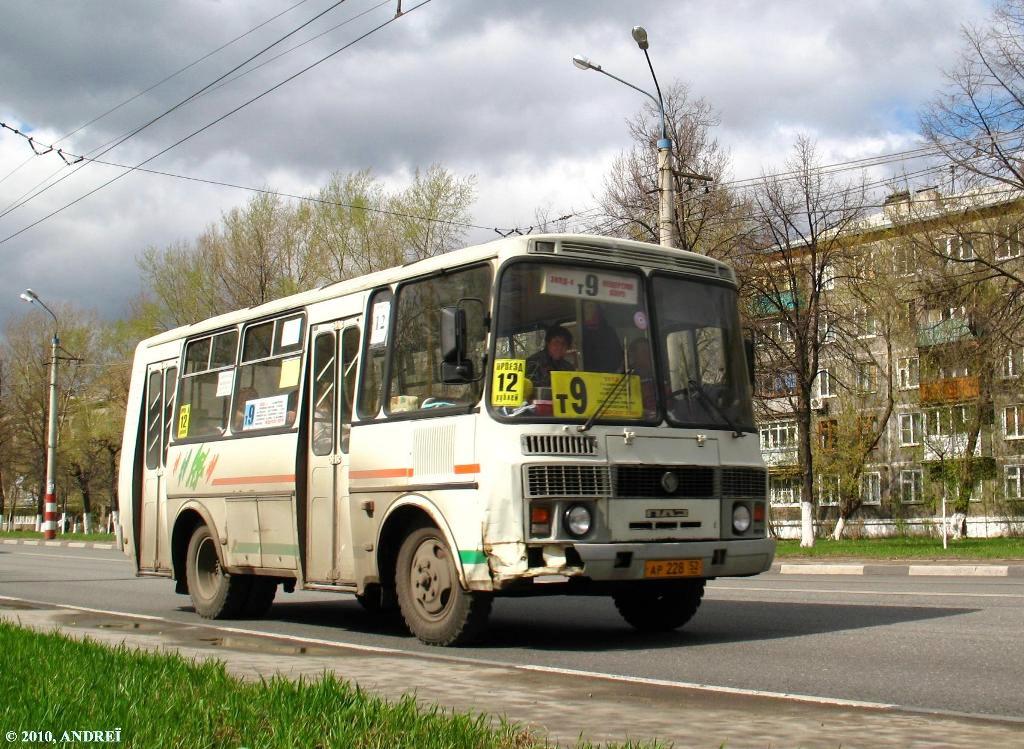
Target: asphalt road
[943, 644]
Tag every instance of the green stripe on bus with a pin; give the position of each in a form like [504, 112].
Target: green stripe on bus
[281, 550]
[472, 557]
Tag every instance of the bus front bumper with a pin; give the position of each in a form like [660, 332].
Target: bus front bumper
[625, 561]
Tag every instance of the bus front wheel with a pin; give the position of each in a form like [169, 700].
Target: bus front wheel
[435, 607]
[215, 593]
[660, 607]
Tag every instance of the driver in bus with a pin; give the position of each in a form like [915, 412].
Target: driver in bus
[551, 358]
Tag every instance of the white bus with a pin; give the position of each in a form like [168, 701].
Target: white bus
[554, 414]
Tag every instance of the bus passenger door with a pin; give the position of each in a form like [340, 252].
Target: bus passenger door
[334, 349]
[161, 381]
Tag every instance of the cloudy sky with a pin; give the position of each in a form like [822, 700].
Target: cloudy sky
[485, 88]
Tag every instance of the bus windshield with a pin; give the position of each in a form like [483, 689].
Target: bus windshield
[573, 340]
[704, 378]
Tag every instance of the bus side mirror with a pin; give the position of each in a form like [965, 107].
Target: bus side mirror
[456, 369]
[748, 349]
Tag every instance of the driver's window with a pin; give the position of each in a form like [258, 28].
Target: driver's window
[711, 355]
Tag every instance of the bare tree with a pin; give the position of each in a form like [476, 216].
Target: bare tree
[801, 224]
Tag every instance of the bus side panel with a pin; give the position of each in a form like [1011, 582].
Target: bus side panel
[247, 486]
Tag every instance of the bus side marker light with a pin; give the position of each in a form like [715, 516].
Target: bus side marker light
[540, 520]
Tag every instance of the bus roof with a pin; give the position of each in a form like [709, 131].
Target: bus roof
[622, 250]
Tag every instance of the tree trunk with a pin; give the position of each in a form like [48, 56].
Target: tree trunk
[840, 526]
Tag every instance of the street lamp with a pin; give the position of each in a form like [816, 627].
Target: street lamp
[666, 191]
[50, 513]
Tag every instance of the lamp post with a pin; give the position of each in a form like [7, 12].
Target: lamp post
[666, 190]
[50, 512]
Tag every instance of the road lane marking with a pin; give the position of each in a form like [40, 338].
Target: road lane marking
[376, 649]
[960, 570]
[75, 556]
[922, 594]
[821, 569]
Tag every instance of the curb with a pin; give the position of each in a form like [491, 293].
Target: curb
[65, 544]
[896, 569]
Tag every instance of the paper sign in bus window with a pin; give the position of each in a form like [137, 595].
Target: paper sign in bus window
[289, 373]
[379, 326]
[183, 419]
[224, 381]
[291, 330]
[508, 386]
[577, 395]
[580, 283]
[264, 413]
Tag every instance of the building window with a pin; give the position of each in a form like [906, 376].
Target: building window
[908, 372]
[828, 278]
[871, 488]
[827, 327]
[1008, 245]
[784, 490]
[864, 323]
[944, 422]
[910, 429]
[1013, 481]
[905, 259]
[950, 371]
[867, 377]
[1013, 422]
[1013, 362]
[778, 435]
[828, 490]
[911, 485]
[824, 383]
[828, 432]
[781, 332]
[959, 247]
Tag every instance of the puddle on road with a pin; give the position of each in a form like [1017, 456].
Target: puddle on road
[20, 606]
[256, 645]
[99, 621]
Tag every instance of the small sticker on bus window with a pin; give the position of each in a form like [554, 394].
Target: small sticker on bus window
[289, 373]
[263, 413]
[577, 395]
[508, 385]
[224, 380]
[291, 330]
[183, 417]
[379, 326]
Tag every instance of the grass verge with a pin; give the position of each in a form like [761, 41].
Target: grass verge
[907, 547]
[50, 682]
[34, 535]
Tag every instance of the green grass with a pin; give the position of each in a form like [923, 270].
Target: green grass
[908, 547]
[33, 535]
[52, 682]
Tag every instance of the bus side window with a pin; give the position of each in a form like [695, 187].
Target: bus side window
[324, 379]
[349, 364]
[378, 327]
[205, 386]
[267, 382]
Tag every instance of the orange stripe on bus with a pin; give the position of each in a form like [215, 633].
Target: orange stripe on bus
[381, 473]
[284, 478]
[468, 468]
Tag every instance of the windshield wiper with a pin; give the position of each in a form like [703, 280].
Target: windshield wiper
[604, 403]
[707, 399]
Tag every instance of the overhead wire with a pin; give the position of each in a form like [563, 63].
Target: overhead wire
[217, 120]
[177, 106]
[162, 81]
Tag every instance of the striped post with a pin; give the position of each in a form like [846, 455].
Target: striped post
[50, 515]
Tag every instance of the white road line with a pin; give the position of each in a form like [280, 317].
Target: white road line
[621, 678]
[821, 569]
[960, 570]
[124, 561]
[922, 594]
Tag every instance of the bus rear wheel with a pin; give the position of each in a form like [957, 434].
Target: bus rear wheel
[660, 607]
[215, 593]
[434, 606]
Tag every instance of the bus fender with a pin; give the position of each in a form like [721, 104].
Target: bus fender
[424, 504]
[181, 534]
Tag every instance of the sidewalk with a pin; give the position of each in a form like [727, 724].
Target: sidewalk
[901, 568]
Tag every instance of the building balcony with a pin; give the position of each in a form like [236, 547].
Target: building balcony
[949, 390]
[944, 331]
[948, 447]
[780, 457]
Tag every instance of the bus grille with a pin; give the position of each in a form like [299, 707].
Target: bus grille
[559, 444]
[743, 482]
[567, 481]
[651, 481]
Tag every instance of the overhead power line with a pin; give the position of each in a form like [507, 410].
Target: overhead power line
[162, 81]
[180, 104]
[216, 121]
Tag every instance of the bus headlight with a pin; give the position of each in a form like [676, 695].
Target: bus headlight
[740, 518]
[578, 520]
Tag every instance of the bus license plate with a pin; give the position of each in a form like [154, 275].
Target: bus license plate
[674, 568]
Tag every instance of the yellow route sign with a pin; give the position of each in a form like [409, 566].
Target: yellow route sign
[183, 418]
[508, 385]
[577, 395]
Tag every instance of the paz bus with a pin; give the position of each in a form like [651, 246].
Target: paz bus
[548, 414]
